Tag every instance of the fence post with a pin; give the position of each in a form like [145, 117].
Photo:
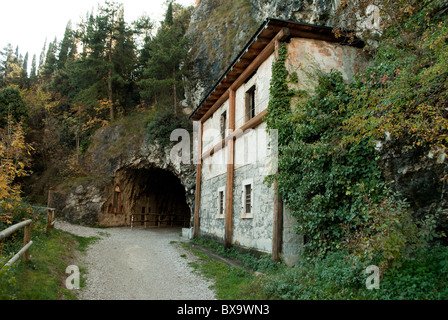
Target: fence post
[26, 240]
[48, 221]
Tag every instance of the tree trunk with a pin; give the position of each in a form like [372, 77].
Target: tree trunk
[109, 87]
[109, 82]
[174, 91]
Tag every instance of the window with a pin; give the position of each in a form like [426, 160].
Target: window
[250, 103]
[221, 203]
[223, 124]
[247, 199]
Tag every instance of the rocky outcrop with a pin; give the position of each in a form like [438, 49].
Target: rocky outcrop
[317, 12]
[220, 29]
[416, 176]
[111, 156]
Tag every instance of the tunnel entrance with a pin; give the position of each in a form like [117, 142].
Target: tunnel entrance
[160, 200]
[147, 198]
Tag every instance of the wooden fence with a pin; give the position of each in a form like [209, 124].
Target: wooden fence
[27, 243]
[157, 219]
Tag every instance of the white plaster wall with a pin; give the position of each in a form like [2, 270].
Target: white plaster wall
[211, 131]
[215, 165]
[261, 80]
[254, 159]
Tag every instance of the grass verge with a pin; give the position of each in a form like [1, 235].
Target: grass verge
[339, 276]
[43, 277]
[230, 282]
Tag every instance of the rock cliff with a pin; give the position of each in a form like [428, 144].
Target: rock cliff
[219, 29]
[118, 156]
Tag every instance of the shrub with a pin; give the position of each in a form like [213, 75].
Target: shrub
[160, 125]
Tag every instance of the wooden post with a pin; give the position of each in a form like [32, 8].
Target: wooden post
[197, 200]
[277, 234]
[230, 173]
[48, 211]
[53, 218]
[26, 240]
[50, 197]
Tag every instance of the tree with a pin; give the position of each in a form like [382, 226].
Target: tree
[12, 106]
[11, 67]
[42, 57]
[51, 62]
[163, 72]
[67, 48]
[14, 158]
[24, 78]
[33, 71]
[108, 59]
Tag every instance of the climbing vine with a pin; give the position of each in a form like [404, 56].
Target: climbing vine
[328, 174]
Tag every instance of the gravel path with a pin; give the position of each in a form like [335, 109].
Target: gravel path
[138, 264]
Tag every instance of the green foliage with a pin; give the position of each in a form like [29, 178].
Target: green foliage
[161, 124]
[341, 276]
[424, 277]
[280, 99]
[11, 103]
[7, 282]
[259, 262]
[161, 82]
[323, 181]
[19, 212]
[329, 173]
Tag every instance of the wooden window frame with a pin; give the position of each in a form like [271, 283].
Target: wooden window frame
[223, 124]
[250, 111]
[221, 212]
[244, 197]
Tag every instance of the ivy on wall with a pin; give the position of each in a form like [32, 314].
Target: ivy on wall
[328, 174]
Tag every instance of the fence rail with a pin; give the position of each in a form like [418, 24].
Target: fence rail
[158, 219]
[27, 243]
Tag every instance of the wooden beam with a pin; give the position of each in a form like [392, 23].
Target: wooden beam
[228, 221]
[197, 200]
[217, 104]
[252, 123]
[267, 51]
[9, 231]
[277, 232]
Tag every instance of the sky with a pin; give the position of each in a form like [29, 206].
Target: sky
[27, 23]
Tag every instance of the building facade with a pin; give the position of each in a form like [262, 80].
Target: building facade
[233, 203]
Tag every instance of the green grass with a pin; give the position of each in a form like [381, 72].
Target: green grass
[339, 276]
[229, 282]
[43, 277]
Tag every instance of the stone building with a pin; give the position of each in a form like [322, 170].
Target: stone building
[233, 204]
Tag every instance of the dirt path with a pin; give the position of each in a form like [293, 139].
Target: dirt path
[138, 264]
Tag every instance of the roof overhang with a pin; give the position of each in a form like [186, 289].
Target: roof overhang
[264, 35]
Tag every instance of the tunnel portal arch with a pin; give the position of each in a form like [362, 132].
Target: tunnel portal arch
[147, 197]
